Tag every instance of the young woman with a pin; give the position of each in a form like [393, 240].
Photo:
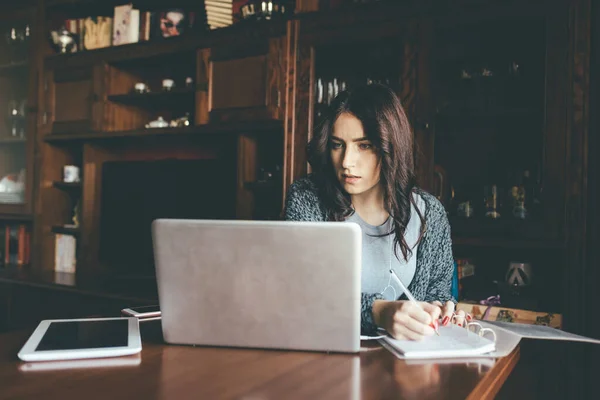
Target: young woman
[362, 161]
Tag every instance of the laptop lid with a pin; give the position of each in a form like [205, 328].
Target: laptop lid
[264, 284]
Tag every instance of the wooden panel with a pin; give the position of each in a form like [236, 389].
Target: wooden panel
[239, 83]
[109, 116]
[578, 114]
[72, 100]
[556, 123]
[299, 110]
[593, 213]
[87, 261]
[423, 118]
[246, 172]
[241, 114]
[72, 74]
[408, 94]
[243, 48]
[203, 66]
[276, 63]
[307, 5]
[46, 104]
[94, 156]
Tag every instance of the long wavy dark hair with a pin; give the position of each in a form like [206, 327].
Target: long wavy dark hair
[387, 127]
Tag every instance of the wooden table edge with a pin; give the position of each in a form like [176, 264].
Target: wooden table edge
[488, 387]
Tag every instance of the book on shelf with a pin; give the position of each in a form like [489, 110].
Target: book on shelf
[65, 253]
[15, 244]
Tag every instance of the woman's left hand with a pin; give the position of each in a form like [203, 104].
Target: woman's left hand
[448, 315]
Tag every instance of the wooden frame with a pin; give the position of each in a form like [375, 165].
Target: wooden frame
[94, 156]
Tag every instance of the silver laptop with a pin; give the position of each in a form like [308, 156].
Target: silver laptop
[262, 284]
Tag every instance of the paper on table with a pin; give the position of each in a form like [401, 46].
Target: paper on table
[540, 332]
[453, 342]
[508, 335]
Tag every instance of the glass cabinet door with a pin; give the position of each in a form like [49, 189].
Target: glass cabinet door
[341, 66]
[14, 132]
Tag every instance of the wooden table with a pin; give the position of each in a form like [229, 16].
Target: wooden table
[178, 372]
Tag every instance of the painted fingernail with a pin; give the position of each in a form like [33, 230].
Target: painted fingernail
[445, 321]
[436, 324]
[469, 318]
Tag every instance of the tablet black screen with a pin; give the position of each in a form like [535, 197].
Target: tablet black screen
[73, 335]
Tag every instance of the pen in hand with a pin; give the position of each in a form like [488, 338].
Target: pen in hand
[408, 294]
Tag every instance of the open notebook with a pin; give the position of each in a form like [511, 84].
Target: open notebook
[453, 342]
[457, 342]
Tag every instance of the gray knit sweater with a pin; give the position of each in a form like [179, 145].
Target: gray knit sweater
[435, 263]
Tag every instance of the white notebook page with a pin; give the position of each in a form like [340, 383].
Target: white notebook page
[453, 342]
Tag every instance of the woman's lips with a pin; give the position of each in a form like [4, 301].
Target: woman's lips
[350, 178]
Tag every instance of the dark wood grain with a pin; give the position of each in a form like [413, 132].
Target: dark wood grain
[263, 126]
[578, 113]
[169, 371]
[203, 66]
[134, 290]
[593, 251]
[299, 113]
[307, 5]
[276, 69]
[423, 125]
[247, 168]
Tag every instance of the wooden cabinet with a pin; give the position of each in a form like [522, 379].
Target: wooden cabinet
[72, 100]
[246, 82]
[498, 145]
[18, 112]
[485, 94]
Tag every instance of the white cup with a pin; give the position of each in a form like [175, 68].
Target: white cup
[168, 84]
[70, 173]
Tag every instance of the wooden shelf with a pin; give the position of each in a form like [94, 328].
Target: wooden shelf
[67, 186]
[65, 230]
[266, 126]
[502, 233]
[173, 98]
[188, 42]
[16, 217]
[5, 141]
[507, 243]
[85, 8]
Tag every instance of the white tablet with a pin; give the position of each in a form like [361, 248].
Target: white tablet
[112, 362]
[70, 339]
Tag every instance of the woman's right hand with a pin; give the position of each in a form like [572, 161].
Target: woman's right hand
[405, 320]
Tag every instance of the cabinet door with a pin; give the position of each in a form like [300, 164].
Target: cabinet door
[246, 83]
[71, 100]
[17, 115]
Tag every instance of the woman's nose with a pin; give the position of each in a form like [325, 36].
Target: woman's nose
[349, 159]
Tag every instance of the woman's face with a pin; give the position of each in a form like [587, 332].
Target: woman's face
[355, 161]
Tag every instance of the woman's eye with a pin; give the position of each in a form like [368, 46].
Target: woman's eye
[336, 145]
[365, 146]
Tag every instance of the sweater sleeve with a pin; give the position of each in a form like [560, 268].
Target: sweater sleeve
[302, 204]
[438, 244]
